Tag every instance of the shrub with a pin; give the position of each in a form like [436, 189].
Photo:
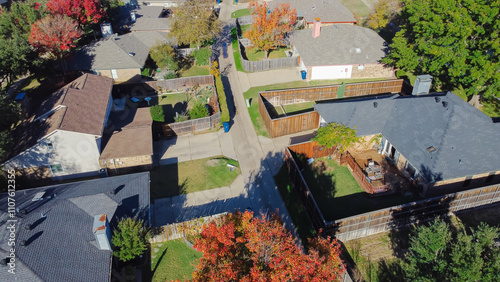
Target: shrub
[198, 111]
[224, 111]
[181, 117]
[202, 56]
[170, 75]
[157, 113]
[146, 72]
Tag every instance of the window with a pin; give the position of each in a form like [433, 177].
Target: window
[361, 67]
[50, 146]
[411, 169]
[114, 74]
[55, 168]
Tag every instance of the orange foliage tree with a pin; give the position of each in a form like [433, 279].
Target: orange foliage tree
[270, 27]
[244, 248]
[54, 35]
[83, 11]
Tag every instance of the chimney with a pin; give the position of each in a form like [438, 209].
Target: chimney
[102, 232]
[316, 27]
[422, 85]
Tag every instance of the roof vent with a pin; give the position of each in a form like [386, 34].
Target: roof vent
[313, 7]
[375, 104]
[445, 104]
[358, 50]
[437, 99]
[460, 161]
[131, 54]
[38, 196]
[431, 149]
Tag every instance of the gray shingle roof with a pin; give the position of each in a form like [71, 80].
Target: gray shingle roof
[147, 18]
[61, 247]
[115, 52]
[331, 11]
[466, 140]
[340, 44]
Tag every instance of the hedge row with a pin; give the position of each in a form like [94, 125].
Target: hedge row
[224, 111]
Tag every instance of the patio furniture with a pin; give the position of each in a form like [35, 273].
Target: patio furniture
[135, 100]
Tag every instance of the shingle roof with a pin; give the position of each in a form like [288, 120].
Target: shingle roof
[117, 51]
[129, 134]
[147, 18]
[465, 139]
[79, 106]
[331, 11]
[340, 44]
[61, 246]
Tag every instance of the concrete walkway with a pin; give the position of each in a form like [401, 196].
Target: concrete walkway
[193, 147]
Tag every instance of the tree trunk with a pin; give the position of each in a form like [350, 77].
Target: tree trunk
[266, 54]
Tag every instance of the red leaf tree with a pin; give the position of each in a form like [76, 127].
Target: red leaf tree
[54, 34]
[83, 11]
[244, 248]
[270, 28]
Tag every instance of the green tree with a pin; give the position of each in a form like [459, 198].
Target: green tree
[10, 116]
[157, 113]
[198, 111]
[195, 22]
[164, 56]
[385, 11]
[336, 134]
[130, 239]
[456, 41]
[437, 254]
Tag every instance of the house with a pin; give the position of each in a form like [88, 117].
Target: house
[439, 140]
[161, 3]
[340, 51]
[56, 238]
[63, 139]
[121, 57]
[128, 141]
[329, 11]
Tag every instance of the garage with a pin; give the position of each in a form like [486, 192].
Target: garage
[331, 72]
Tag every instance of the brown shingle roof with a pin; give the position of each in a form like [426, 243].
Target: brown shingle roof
[128, 134]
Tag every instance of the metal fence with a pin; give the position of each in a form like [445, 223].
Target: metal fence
[395, 217]
[182, 83]
[194, 125]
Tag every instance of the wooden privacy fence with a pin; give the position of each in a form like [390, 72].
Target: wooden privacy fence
[311, 94]
[194, 125]
[178, 230]
[359, 175]
[287, 125]
[413, 213]
[382, 220]
[311, 150]
[307, 121]
[182, 83]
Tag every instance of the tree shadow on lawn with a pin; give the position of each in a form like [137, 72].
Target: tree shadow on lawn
[171, 112]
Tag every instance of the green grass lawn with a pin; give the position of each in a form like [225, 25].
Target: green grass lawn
[173, 260]
[339, 195]
[490, 106]
[195, 71]
[256, 55]
[294, 109]
[176, 102]
[192, 176]
[253, 92]
[356, 7]
[30, 83]
[240, 13]
[294, 206]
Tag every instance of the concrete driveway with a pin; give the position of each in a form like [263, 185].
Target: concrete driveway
[193, 147]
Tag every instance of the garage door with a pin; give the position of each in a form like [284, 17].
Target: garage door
[331, 72]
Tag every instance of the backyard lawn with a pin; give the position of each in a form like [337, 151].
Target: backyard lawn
[240, 13]
[357, 7]
[337, 193]
[294, 109]
[195, 71]
[173, 103]
[253, 54]
[253, 92]
[192, 176]
[173, 260]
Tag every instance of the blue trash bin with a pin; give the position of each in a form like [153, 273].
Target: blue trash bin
[304, 74]
[226, 126]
